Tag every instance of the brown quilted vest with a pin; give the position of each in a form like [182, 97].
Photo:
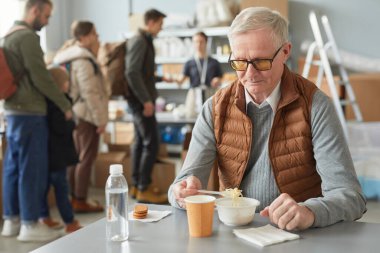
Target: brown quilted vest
[290, 140]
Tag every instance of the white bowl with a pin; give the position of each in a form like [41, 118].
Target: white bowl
[239, 215]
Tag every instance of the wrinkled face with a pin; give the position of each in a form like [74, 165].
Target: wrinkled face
[256, 44]
[199, 43]
[42, 16]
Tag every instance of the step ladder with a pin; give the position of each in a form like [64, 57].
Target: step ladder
[324, 67]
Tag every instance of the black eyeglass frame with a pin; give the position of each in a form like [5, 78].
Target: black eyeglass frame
[253, 62]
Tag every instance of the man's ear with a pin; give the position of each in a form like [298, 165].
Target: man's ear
[287, 49]
[34, 11]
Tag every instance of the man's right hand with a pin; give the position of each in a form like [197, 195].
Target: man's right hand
[148, 109]
[185, 188]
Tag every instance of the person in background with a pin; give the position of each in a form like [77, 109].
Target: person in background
[202, 69]
[26, 157]
[62, 153]
[140, 74]
[90, 97]
[274, 135]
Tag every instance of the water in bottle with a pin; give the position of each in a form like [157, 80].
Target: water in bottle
[117, 205]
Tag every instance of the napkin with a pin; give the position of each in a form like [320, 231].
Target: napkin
[152, 216]
[265, 235]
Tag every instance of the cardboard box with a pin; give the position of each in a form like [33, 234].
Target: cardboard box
[313, 72]
[367, 90]
[278, 5]
[126, 148]
[324, 86]
[102, 164]
[162, 152]
[106, 137]
[124, 133]
[162, 176]
[163, 173]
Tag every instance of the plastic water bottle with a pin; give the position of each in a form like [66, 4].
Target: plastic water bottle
[117, 228]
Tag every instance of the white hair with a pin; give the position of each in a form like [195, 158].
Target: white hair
[254, 18]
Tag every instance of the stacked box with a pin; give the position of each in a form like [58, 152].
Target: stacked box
[367, 89]
[162, 176]
[279, 5]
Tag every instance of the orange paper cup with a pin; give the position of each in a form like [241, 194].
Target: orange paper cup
[200, 214]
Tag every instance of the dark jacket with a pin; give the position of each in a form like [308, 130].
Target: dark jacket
[140, 68]
[62, 152]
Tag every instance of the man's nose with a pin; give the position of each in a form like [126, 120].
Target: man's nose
[251, 70]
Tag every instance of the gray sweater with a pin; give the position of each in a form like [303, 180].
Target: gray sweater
[342, 195]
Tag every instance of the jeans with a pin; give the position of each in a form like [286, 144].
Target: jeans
[25, 166]
[58, 180]
[145, 148]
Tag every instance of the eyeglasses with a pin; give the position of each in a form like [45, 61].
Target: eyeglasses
[259, 64]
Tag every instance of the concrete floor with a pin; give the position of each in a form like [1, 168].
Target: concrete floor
[11, 245]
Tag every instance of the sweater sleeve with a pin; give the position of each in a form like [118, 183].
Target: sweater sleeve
[41, 78]
[202, 151]
[342, 199]
[134, 68]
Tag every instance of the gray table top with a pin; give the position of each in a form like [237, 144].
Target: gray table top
[171, 235]
[162, 118]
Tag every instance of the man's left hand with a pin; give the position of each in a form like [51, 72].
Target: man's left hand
[287, 214]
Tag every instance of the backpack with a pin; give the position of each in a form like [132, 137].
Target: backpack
[111, 57]
[8, 78]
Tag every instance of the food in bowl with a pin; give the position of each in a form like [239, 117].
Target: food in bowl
[235, 194]
[239, 214]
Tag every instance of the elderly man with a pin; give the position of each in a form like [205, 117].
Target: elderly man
[273, 134]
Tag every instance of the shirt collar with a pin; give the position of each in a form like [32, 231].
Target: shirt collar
[22, 22]
[272, 100]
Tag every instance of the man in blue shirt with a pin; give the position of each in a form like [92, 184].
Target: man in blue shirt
[201, 69]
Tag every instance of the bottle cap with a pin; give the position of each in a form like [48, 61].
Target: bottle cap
[116, 169]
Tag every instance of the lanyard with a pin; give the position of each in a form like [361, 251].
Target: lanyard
[202, 70]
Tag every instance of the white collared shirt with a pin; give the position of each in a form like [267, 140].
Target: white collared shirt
[272, 100]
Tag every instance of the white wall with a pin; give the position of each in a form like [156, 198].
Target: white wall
[110, 17]
[354, 22]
